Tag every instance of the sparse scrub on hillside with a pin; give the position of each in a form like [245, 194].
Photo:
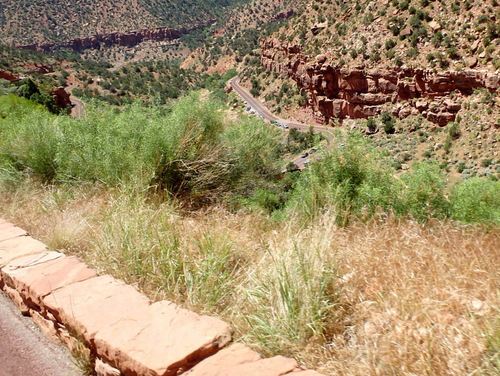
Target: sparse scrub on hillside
[354, 180]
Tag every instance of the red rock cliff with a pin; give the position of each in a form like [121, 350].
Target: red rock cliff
[131, 38]
[336, 92]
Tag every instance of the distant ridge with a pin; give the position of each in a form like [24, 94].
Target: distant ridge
[129, 39]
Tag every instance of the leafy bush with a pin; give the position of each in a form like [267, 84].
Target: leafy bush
[454, 131]
[424, 196]
[476, 200]
[350, 179]
[371, 124]
[188, 151]
[389, 44]
[389, 122]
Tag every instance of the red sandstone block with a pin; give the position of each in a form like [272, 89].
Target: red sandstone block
[224, 361]
[9, 231]
[16, 298]
[36, 276]
[17, 247]
[239, 360]
[163, 340]
[95, 304]
[277, 366]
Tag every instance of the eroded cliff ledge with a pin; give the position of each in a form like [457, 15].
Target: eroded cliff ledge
[336, 92]
[127, 39]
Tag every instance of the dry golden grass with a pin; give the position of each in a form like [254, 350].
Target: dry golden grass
[387, 298]
[418, 298]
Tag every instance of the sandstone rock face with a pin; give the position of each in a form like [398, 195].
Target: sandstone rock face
[61, 97]
[8, 76]
[129, 39]
[162, 340]
[95, 304]
[13, 248]
[336, 92]
[37, 276]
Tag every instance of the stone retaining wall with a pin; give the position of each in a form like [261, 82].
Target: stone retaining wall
[120, 328]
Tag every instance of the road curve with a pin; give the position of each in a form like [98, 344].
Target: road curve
[260, 109]
[78, 110]
[266, 114]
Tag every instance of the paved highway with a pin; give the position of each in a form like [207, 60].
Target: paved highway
[260, 109]
[24, 351]
[78, 110]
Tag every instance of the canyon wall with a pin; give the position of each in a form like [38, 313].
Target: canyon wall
[127, 39]
[336, 92]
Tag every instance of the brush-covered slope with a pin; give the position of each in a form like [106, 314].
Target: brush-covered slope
[29, 22]
[417, 33]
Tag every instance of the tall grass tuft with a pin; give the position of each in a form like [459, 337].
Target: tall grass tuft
[290, 296]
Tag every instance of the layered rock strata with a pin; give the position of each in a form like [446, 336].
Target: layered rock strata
[128, 39]
[337, 92]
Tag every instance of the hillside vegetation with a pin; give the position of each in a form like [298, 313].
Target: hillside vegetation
[29, 22]
[345, 267]
[416, 33]
[380, 257]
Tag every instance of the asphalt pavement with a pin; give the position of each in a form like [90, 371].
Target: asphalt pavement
[260, 109]
[24, 351]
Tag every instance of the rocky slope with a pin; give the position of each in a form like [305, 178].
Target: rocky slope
[126, 39]
[236, 37]
[40, 22]
[338, 92]
[357, 59]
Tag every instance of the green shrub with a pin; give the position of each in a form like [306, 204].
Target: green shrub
[190, 150]
[454, 131]
[389, 44]
[371, 124]
[351, 179]
[424, 196]
[389, 122]
[486, 162]
[476, 200]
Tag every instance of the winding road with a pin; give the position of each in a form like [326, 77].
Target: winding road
[260, 109]
[78, 110]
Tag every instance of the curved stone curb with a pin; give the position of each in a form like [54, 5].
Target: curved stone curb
[121, 329]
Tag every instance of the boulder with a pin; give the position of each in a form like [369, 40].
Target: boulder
[471, 61]
[434, 26]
